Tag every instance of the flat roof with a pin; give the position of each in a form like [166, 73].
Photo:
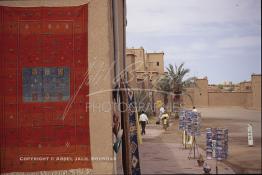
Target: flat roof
[155, 53]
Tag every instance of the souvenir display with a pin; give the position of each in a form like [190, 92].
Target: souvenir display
[190, 122]
[182, 120]
[217, 143]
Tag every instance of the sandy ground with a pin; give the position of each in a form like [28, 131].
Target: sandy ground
[163, 153]
[242, 158]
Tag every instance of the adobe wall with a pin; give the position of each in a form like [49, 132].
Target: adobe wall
[151, 62]
[130, 66]
[121, 22]
[245, 86]
[188, 98]
[229, 98]
[200, 97]
[249, 100]
[197, 96]
[100, 54]
[139, 58]
[256, 88]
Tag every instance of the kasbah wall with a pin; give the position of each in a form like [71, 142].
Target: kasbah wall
[200, 97]
[248, 95]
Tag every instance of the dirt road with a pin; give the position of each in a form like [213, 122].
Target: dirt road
[242, 158]
[162, 153]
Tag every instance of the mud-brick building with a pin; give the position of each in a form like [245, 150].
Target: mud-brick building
[144, 67]
[59, 60]
[247, 96]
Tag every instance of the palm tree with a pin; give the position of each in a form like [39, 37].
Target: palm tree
[173, 83]
[163, 85]
[143, 101]
[177, 82]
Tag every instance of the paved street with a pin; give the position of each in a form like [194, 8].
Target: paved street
[162, 153]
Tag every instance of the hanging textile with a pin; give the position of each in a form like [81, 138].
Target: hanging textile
[139, 136]
[44, 120]
[130, 153]
[135, 168]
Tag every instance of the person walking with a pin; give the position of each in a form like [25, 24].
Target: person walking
[143, 121]
[161, 112]
[165, 118]
[194, 109]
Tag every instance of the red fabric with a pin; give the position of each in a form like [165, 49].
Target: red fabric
[43, 37]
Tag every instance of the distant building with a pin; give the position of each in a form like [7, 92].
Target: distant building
[144, 68]
[246, 94]
[245, 86]
[214, 88]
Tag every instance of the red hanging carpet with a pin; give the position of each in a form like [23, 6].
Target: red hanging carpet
[44, 116]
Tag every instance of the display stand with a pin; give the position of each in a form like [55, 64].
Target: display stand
[184, 140]
[216, 167]
[189, 123]
[217, 144]
[194, 149]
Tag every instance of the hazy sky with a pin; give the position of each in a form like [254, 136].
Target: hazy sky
[220, 39]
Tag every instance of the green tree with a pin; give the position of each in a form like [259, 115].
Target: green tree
[174, 83]
[143, 101]
[220, 86]
[163, 85]
[178, 81]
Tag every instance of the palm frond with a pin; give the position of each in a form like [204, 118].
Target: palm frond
[174, 80]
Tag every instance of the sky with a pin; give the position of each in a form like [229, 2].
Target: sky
[220, 39]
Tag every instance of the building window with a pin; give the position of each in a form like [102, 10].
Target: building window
[46, 84]
[157, 63]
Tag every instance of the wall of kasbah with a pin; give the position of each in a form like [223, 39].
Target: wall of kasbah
[256, 88]
[100, 53]
[139, 58]
[244, 86]
[228, 98]
[197, 96]
[130, 66]
[201, 93]
[140, 54]
[187, 101]
[152, 59]
[201, 97]
[249, 101]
